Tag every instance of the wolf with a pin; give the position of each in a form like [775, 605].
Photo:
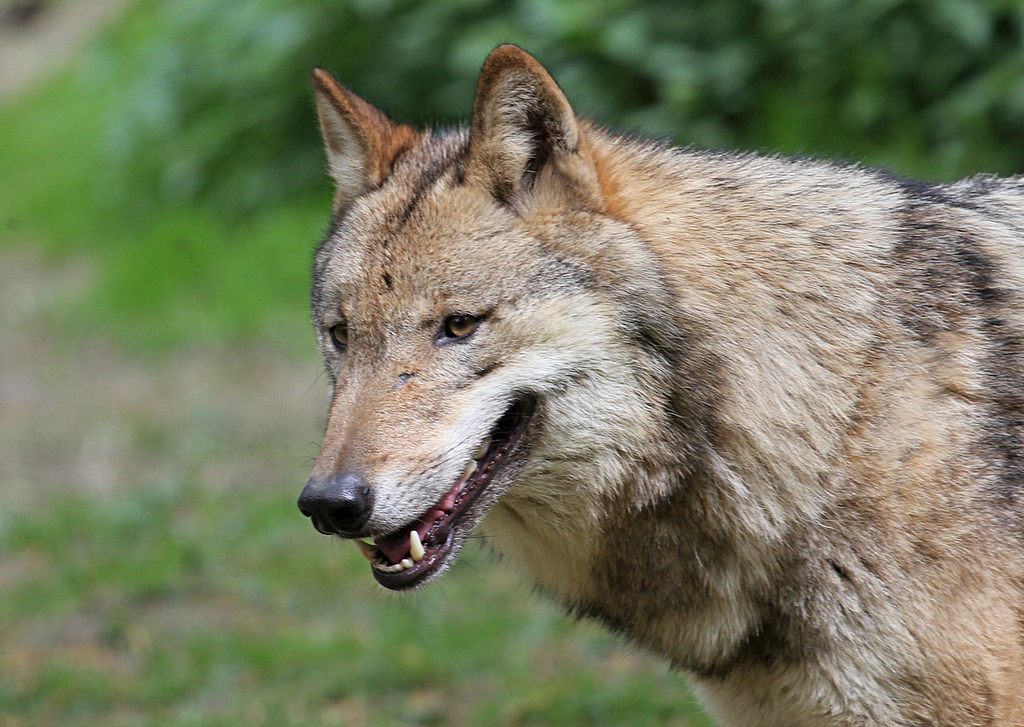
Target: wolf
[761, 415]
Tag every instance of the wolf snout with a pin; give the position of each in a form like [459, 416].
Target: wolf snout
[339, 504]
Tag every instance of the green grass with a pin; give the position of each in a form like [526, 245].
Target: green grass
[181, 606]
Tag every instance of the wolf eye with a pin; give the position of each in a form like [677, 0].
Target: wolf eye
[339, 336]
[459, 326]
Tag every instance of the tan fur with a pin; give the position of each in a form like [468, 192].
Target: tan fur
[780, 429]
[361, 142]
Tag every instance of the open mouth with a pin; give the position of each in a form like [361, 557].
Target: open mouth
[406, 558]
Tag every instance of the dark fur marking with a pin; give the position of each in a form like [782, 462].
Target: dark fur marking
[693, 393]
[402, 151]
[919, 190]
[1003, 366]
[503, 191]
[922, 192]
[980, 271]
[543, 142]
[775, 641]
[783, 635]
[576, 274]
[726, 184]
[820, 240]
[424, 183]
[953, 285]
[387, 281]
[459, 162]
[546, 135]
[839, 570]
[437, 156]
[487, 369]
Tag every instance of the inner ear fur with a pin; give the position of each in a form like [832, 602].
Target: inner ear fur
[523, 127]
[361, 142]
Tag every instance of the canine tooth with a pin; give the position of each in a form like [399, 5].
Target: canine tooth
[470, 469]
[366, 549]
[482, 449]
[406, 563]
[416, 546]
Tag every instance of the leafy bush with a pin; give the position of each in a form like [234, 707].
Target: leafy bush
[220, 106]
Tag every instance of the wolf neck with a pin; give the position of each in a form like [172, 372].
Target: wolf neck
[753, 405]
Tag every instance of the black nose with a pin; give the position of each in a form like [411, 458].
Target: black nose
[337, 505]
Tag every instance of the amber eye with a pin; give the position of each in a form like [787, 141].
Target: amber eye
[459, 326]
[339, 336]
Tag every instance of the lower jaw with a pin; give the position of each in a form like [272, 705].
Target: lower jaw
[432, 565]
[436, 558]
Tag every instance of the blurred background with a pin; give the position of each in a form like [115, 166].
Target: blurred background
[161, 192]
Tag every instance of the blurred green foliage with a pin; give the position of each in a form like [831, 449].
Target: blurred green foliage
[218, 105]
[180, 153]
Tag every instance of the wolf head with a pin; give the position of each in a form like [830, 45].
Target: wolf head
[490, 329]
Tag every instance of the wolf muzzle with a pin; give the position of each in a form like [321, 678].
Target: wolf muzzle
[339, 504]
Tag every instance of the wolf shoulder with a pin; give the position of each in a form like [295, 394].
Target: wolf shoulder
[802, 211]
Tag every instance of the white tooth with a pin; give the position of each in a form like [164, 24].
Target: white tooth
[470, 469]
[482, 449]
[366, 549]
[406, 563]
[416, 546]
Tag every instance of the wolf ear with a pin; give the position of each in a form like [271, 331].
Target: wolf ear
[360, 141]
[523, 128]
